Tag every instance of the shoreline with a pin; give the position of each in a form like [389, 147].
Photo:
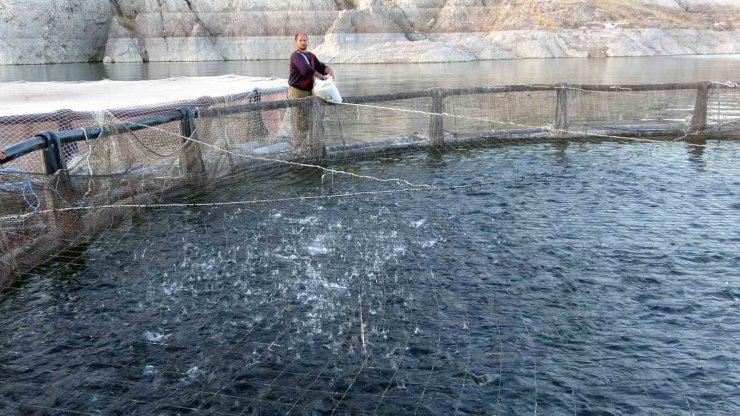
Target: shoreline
[733, 55]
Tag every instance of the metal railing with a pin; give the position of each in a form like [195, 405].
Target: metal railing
[51, 142]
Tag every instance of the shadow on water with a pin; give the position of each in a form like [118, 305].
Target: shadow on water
[561, 151]
[696, 149]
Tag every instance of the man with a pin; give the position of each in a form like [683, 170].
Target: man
[304, 67]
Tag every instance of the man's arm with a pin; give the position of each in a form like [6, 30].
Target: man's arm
[328, 71]
[323, 69]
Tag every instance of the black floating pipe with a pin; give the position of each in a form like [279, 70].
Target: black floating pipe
[23, 148]
[51, 142]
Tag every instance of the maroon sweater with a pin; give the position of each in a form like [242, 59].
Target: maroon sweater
[302, 67]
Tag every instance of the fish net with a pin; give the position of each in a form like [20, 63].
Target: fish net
[255, 254]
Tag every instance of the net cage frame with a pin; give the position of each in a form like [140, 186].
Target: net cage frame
[193, 152]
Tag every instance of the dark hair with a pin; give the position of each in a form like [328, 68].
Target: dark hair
[295, 38]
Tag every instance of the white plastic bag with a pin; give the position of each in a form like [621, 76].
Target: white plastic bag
[326, 90]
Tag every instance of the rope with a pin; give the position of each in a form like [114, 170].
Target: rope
[27, 186]
[477, 185]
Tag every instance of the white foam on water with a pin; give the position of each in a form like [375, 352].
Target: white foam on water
[427, 244]
[327, 285]
[171, 288]
[318, 245]
[383, 211]
[417, 224]
[149, 370]
[193, 374]
[152, 336]
[43, 97]
[310, 220]
[283, 257]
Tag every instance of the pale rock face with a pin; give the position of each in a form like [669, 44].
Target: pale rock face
[693, 5]
[124, 48]
[668, 4]
[457, 47]
[399, 51]
[43, 31]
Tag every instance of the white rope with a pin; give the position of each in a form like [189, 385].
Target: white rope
[275, 200]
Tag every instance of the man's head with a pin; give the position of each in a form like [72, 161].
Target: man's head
[301, 41]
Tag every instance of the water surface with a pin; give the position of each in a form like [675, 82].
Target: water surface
[590, 278]
[361, 79]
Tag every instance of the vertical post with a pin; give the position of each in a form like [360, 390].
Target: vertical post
[699, 120]
[317, 143]
[55, 165]
[191, 158]
[255, 122]
[436, 123]
[53, 156]
[561, 109]
[65, 123]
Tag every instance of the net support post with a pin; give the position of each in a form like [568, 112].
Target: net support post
[255, 121]
[317, 141]
[64, 121]
[54, 160]
[55, 165]
[699, 119]
[561, 109]
[436, 123]
[191, 157]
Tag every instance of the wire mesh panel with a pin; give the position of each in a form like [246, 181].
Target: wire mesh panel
[242, 139]
[486, 113]
[348, 124]
[671, 107]
[723, 109]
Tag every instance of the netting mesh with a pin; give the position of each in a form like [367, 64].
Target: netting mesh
[559, 250]
[646, 107]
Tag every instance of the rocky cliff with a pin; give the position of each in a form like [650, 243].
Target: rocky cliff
[37, 31]
[45, 31]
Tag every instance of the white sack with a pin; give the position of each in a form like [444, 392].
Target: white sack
[326, 90]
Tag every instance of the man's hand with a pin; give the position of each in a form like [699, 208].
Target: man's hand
[2, 155]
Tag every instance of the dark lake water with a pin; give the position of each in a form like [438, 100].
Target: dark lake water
[581, 278]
